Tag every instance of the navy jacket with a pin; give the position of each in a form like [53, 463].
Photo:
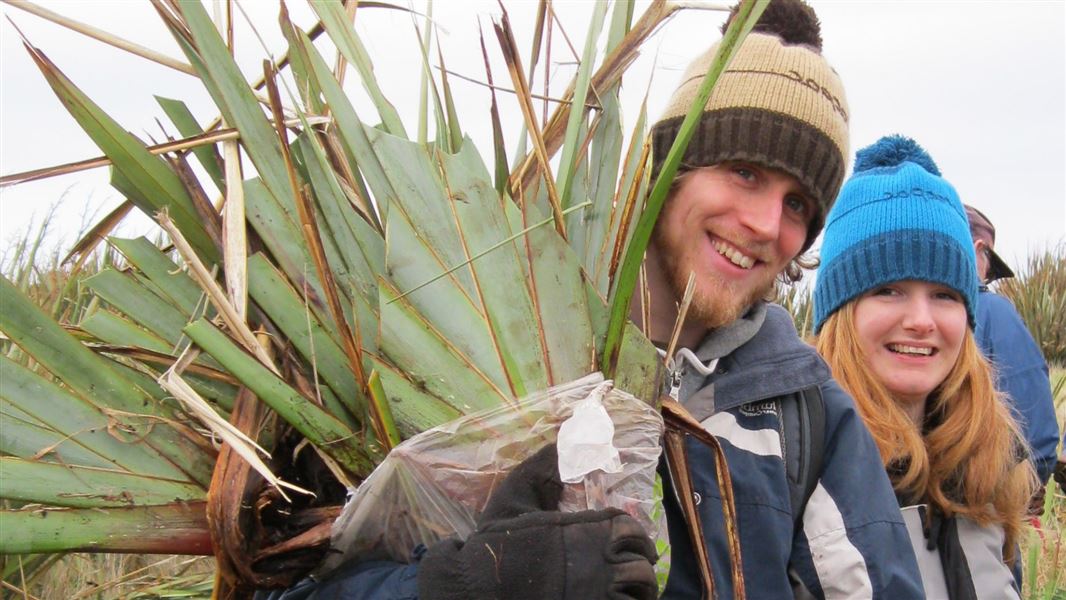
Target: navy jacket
[852, 541]
[1021, 373]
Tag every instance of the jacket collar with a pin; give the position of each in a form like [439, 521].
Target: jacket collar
[774, 362]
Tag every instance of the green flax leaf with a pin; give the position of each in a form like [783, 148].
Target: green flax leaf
[322, 429]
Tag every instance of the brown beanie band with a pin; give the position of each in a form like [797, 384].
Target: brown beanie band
[780, 106]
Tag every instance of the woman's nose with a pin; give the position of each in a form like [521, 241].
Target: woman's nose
[919, 316]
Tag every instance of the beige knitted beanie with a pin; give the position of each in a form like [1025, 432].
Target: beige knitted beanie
[779, 104]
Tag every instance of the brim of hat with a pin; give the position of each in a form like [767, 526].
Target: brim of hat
[997, 269]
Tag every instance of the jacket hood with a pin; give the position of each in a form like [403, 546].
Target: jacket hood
[774, 363]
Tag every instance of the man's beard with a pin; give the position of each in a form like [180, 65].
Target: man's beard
[714, 302]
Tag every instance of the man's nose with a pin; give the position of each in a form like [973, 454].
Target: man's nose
[761, 214]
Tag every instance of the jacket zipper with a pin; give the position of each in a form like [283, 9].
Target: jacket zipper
[675, 375]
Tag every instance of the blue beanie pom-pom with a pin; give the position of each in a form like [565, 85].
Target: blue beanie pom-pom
[893, 150]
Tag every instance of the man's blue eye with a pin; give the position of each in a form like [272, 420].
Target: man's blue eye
[744, 172]
[797, 205]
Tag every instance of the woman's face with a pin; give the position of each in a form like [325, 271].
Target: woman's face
[911, 333]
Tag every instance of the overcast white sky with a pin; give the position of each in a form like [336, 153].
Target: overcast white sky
[981, 85]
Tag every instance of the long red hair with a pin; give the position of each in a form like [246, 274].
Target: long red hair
[965, 461]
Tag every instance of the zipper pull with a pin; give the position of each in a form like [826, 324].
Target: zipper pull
[675, 383]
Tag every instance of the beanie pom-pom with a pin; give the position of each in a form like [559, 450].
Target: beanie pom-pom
[893, 150]
[791, 20]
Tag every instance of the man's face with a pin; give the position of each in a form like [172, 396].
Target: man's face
[980, 248]
[736, 226]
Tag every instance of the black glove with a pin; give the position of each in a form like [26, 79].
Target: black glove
[1060, 474]
[525, 549]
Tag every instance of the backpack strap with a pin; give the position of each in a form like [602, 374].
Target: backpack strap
[803, 441]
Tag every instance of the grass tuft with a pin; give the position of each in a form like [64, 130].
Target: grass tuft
[80, 576]
[1038, 291]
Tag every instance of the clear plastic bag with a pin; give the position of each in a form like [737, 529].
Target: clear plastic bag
[435, 484]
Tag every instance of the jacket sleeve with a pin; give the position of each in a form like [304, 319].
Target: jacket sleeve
[1022, 374]
[853, 542]
[378, 580]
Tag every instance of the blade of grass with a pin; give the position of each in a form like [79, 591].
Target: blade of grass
[631, 188]
[97, 233]
[174, 283]
[415, 409]
[498, 145]
[139, 303]
[112, 329]
[312, 339]
[455, 132]
[333, 18]
[183, 119]
[574, 127]
[444, 135]
[378, 397]
[154, 185]
[609, 73]
[103, 161]
[426, 76]
[235, 100]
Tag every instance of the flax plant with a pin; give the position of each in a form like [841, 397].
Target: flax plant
[215, 391]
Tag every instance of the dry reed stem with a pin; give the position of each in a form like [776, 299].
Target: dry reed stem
[514, 67]
[217, 296]
[608, 74]
[103, 36]
[188, 143]
[234, 232]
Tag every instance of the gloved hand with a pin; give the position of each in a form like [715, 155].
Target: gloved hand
[1060, 474]
[525, 549]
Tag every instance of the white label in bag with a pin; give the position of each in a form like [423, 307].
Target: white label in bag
[586, 439]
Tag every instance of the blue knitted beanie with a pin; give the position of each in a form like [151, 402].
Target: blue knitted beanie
[896, 218]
